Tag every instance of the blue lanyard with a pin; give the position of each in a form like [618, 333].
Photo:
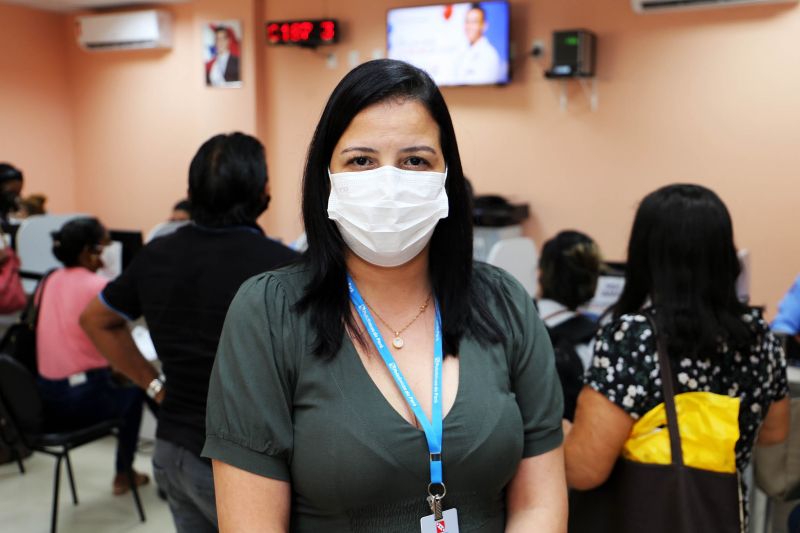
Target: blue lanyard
[433, 429]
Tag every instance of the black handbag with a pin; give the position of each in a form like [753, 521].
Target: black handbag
[653, 498]
[20, 339]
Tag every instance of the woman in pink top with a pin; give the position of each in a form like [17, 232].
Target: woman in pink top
[76, 381]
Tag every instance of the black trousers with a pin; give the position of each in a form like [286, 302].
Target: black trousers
[71, 407]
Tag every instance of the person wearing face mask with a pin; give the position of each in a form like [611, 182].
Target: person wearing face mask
[182, 284]
[386, 382]
[75, 380]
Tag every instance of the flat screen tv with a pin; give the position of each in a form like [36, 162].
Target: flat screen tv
[457, 44]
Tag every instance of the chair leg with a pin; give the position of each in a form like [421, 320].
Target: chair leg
[54, 516]
[18, 458]
[71, 478]
[135, 492]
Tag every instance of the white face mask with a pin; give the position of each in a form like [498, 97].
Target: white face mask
[387, 215]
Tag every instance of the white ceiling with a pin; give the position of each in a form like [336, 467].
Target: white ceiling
[74, 5]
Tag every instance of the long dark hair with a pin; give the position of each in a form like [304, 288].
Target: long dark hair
[681, 255]
[450, 265]
[76, 236]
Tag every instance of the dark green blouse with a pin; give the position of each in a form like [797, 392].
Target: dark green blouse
[354, 463]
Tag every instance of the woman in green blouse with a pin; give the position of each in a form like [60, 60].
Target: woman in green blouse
[386, 383]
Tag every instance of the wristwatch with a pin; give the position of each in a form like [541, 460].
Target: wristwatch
[156, 386]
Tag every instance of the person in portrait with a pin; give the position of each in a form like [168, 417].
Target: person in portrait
[224, 67]
[480, 62]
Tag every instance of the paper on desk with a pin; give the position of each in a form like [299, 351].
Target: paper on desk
[141, 336]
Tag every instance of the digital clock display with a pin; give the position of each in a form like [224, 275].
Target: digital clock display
[309, 33]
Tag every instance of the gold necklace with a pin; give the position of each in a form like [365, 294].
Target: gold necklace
[398, 342]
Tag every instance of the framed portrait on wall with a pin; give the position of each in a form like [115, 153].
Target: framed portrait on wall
[222, 53]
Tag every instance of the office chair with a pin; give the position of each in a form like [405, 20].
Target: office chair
[20, 395]
[11, 439]
[518, 256]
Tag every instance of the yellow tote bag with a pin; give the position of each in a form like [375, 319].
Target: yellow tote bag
[709, 430]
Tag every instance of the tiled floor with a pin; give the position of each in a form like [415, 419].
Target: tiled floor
[25, 500]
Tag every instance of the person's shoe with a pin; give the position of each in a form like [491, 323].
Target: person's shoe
[121, 484]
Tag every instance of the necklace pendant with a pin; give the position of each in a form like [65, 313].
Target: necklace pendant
[398, 343]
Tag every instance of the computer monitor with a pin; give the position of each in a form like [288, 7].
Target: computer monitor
[131, 242]
[609, 288]
[463, 43]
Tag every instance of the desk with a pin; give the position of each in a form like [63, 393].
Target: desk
[141, 336]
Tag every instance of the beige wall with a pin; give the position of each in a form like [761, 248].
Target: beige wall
[143, 114]
[706, 96]
[36, 118]
[696, 96]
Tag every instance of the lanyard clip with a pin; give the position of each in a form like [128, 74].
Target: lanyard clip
[434, 493]
[435, 497]
[435, 503]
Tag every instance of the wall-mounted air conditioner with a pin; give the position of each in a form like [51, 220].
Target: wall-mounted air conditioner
[648, 6]
[126, 31]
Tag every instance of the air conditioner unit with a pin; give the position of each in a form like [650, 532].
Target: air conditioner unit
[648, 6]
[126, 31]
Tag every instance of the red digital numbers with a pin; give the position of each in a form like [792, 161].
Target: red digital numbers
[327, 30]
[302, 32]
[273, 32]
[296, 32]
[288, 32]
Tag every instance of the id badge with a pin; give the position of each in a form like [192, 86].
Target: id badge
[448, 523]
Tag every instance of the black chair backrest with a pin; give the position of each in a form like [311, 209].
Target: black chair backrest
[20, 394]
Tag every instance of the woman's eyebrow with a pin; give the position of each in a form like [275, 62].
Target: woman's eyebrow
[359, 149]
[421, 148]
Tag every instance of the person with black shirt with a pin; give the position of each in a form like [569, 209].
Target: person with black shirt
[183, 284]
[568, 272]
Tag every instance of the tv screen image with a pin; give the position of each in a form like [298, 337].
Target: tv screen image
[457, 44]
